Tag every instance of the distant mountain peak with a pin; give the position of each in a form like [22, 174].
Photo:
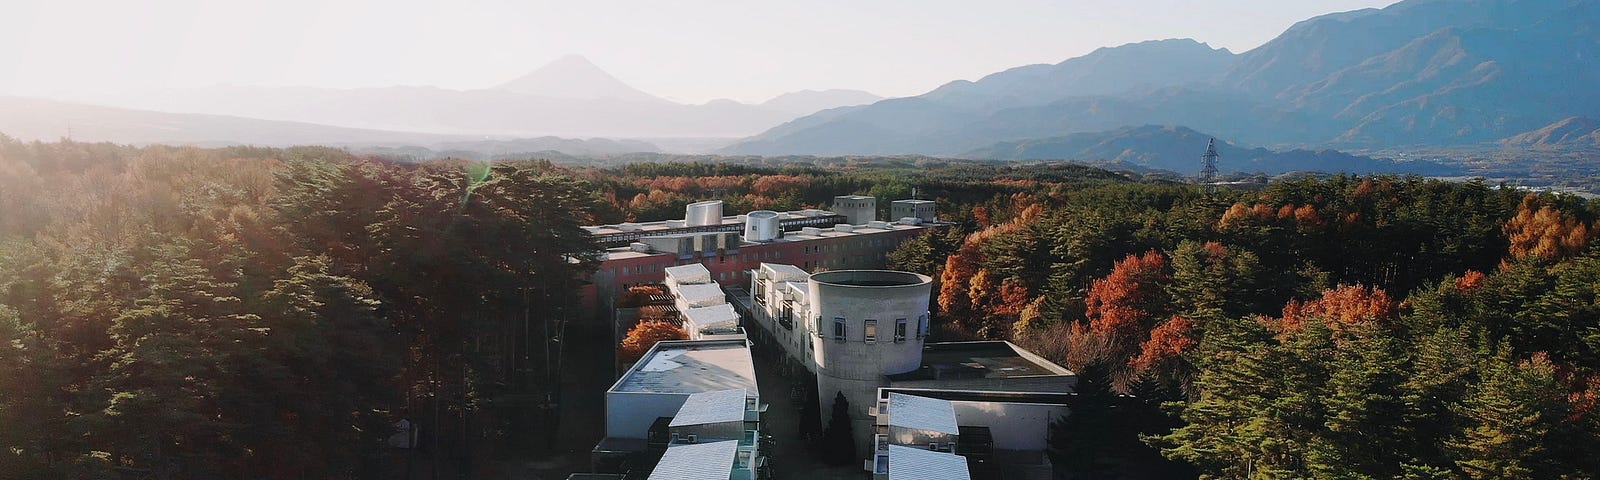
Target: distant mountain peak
[574, 77]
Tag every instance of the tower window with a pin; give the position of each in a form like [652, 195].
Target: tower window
[838, 328]
[899, 330]
[922, 326]
[871, 331]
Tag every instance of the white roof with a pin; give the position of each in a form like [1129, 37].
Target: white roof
[698, 461]
[715, 316]
[701, 294]
[687, 367]
[689, 274]
[802, 288]
[922, 413]
[907, 463]
[711, 407]
[784, 271]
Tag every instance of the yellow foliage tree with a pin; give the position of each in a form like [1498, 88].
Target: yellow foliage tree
[1541, 230]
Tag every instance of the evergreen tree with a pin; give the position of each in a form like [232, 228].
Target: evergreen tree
[1082, 442]
[1514, 421]
[838, 439]
[1363, 438]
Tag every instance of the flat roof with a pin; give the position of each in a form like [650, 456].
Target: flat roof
[689, 274]
[711, 407]
[662, 225]
[691, 366]
[922, 413]
[700, 293]
[785, 269]
[983, 359]
[907, 463]
[721, 315]
[620, 253]
[697, 461]
[1042, 398]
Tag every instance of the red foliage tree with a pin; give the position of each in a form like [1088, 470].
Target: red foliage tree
[1162, 354]
[1122, 307]
[645, 335]
[1470, 281]
[1341, 307]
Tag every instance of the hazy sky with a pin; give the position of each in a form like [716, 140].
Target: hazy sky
[684, 50]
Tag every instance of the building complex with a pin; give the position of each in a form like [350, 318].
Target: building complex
[819, 295]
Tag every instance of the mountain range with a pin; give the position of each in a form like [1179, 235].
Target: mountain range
[568, 97]
[34, 119]
[1416, 73]
[1174, 149]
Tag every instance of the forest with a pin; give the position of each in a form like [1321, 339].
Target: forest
[173, 312]
[1337, 327]
[180, 312]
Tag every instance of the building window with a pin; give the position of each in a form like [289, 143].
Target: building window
[922, 326]
[900, 330]
[838, 328]
[871, 330]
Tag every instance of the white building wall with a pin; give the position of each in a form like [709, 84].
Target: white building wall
[629, 414]
[1014, 426]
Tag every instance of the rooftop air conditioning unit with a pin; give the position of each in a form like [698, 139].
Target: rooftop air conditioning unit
[844, 228]
[640, 247]
[692, 438]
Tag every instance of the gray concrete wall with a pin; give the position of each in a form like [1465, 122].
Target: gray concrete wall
[854, 366]
[712, 432]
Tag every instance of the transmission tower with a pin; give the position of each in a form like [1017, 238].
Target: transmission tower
[1208, 164]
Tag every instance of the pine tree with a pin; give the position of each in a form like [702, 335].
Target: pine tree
[1364, 438]
[1513, 420]
[1082, 441]
[838, 439]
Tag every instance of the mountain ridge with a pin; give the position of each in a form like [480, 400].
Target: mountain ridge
[1415, 73]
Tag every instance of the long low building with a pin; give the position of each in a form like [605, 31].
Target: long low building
[810, 239]
[680, 393]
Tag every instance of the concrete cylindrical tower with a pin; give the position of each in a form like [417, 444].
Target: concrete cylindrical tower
[761, 226]
[868, 327]
[700, 214]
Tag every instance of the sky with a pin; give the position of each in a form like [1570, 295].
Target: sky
[690, 51]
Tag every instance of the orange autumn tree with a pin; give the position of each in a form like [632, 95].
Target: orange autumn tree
[1341, 307]
[645, 335]
[1161, 356]
[1543, 231]
[1124, 306]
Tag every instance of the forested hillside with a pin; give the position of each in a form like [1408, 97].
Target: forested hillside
[1344, 327]
[271, 313]
[263, 313]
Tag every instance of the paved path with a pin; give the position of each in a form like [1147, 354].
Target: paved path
[791, 460]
